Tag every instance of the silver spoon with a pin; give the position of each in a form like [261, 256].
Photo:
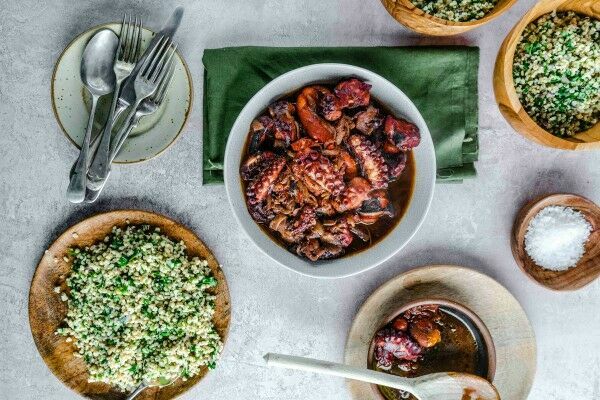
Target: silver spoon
[98, 77]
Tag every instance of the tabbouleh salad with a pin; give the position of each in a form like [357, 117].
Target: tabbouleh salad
[556, 72]
[456, 10]
[140, 310]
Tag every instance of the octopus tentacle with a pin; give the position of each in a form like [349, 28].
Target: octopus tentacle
[259, 188]
[261, 132]
[285, 128]
[391, 344]
[356, 193]
[396, 164]
[371, 161]
[255, 163]
[401, 133]
[352, 93]
[318, 173]
[316, 127]
[369, 120]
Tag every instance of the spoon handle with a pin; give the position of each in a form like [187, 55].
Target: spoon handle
[77, 184]
[92, 194]
[98, 169]
[335, 369]
[132, 121]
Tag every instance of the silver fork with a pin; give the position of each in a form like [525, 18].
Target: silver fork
[151, 72]
[148, 106]
[128, 52]
[158, 77]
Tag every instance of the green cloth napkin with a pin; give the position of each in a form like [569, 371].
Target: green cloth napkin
[441, 81]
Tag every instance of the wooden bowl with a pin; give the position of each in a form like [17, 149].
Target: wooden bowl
[47, 311]
[506, 95]
[418, 20]
[586, 270]
[481, 334]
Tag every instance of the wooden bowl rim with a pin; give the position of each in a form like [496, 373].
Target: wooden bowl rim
[504, 67]
[447, 27]
[124, 215]
[519, 245]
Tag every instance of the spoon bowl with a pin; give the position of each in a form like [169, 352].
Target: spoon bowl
[97, 73]
[588, 267]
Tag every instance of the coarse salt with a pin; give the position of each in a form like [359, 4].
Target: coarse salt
[556, 237]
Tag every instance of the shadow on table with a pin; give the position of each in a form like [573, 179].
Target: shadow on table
[110, 204]
[103, 12]
[549, 181]
[373, 279]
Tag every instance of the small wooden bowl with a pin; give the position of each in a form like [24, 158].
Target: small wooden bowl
[418, 20]
[586, 270]
[504, 88]
[47, 311]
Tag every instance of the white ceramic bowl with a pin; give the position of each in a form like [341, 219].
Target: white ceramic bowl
[398, 104]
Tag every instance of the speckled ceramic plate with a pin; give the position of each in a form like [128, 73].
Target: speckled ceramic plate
[155, 133]
[500, 312]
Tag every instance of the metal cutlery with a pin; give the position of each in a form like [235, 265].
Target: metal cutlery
[168, 30]
[151, 73]
[138, 78]
[128, 53]
[439, 386]
[127, 96]
[147, 107]
[99, 79]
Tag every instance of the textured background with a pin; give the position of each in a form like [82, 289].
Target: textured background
[273, 309]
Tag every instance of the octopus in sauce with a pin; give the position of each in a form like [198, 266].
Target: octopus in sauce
[426, 339]
[318, 166]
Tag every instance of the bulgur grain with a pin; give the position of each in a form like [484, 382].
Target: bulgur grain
[456, 10]
[139, 310]
[556, 72]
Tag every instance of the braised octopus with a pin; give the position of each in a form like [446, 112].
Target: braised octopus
[318, 168]
[422, 340]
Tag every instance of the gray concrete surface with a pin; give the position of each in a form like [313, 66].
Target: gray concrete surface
[273, 309]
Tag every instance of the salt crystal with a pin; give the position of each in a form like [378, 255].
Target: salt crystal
[556, 237]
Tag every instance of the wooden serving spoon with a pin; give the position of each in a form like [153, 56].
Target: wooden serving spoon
[439, 386]
[586, 270]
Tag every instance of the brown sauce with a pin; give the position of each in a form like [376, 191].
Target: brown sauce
[400, 193]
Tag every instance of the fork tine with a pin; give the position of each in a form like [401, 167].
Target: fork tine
[164, 85]
[167, 84]
[163, 76]
[120, 43]
[152, 55]
[164, 65]
[127, 54]
[123, 37]
[138, 47]
[134, 42]
[156, 59]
